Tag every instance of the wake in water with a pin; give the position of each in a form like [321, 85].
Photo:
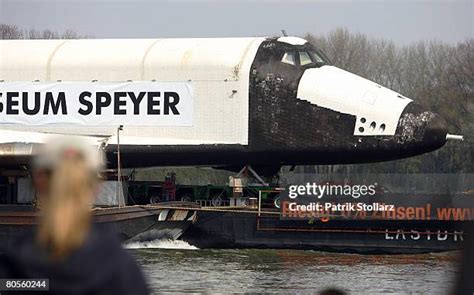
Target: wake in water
[160, 244]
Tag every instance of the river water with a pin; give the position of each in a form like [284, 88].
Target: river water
[174, 266]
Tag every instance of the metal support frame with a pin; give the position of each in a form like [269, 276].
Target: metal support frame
[254, 174]
[121, 201]
[259, 202]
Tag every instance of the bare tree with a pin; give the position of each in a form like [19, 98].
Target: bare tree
[10, 32]
[14, 32]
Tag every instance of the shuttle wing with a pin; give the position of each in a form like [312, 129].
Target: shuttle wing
[23, 144]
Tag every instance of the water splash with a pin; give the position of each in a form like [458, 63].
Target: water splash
[160, 244]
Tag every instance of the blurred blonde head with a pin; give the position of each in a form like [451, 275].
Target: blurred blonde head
[65, 174]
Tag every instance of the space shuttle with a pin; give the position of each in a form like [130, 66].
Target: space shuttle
[219, 102]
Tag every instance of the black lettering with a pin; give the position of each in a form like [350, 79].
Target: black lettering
[171, 104]
[152, 103]
[11, 103]
[102, 103]
[1, 103]
[82, 100]
[37, 104]
[118, 103]
[60, 102]
[136, 101]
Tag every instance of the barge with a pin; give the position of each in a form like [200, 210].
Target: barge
[249, 230]
[257, 215]
[131, 222]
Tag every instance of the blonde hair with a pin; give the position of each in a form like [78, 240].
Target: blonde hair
[65, 208]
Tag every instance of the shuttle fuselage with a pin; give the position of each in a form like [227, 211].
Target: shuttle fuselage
[257, 101]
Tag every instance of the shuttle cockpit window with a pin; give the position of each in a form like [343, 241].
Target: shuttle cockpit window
[289, 58]
[310, 58]
[317, 58]
[305, 59]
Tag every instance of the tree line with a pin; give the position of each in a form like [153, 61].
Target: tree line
[15, 32]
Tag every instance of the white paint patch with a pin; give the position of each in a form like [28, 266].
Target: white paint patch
[377, 109]
[292, 40]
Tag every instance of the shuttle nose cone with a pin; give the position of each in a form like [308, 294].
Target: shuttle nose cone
[436, 131]
[420, 127]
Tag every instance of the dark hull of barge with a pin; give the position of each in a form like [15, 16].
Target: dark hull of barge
[214, 229]
[132, 223]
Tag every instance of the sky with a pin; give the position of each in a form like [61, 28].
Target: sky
[402, 21]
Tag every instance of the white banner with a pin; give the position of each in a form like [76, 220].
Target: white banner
[97, 103]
